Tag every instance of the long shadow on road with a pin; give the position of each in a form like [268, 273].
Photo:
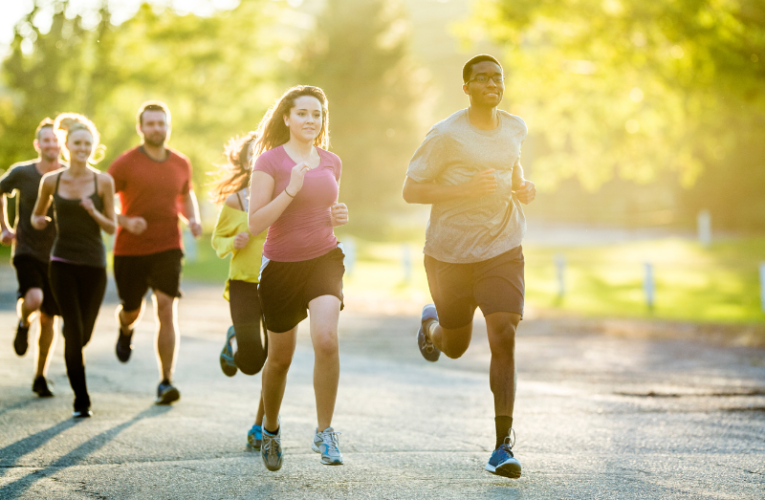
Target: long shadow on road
[10, 454]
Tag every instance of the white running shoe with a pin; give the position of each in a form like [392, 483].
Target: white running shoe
[326, 443]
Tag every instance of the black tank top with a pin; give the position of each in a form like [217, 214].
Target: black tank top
[78, 236]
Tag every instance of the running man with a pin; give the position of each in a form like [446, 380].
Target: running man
[31, 251]
[468, 167]
[153, 183]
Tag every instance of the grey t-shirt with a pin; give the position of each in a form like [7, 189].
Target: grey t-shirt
[25, 179]
[467, 230]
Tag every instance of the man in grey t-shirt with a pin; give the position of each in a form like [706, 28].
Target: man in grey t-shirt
[31, 250]
[468, 168]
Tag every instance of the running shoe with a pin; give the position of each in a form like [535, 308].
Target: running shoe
[427, 349]
[326, 443]
[82, 414]
[82, 408]
[255, 438]
[271, 449]
[166, 394]
[40, 386]
[21, 342]
[502, 461]
[124, 347]
[227, 355]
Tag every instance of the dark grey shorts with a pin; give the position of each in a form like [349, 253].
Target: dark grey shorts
[494, 285]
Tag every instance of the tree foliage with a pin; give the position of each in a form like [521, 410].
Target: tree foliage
[358, 53]
[638, 89]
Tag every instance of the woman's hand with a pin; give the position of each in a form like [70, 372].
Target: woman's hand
[339, 214]
[241, 239]
[87, 204]
[296, 178]
[40, 222]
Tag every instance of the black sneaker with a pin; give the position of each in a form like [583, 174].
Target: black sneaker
[82, 408]
[167, 394]
[40, 386]
[124, 347]
[21, 342]
[82, 414]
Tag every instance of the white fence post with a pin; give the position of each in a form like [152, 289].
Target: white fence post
[349, 250]
[189, 246]
[406, 262]
[560, 267]
[762, 285]
[704, 221]
[649, 286]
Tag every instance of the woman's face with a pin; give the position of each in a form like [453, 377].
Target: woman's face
[80, 146]
[305, 119]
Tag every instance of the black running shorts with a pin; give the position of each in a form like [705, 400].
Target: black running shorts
[286, 288]
[494, 285]
[33, 273]
[135, 274]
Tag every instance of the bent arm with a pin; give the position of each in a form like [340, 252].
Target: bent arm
[263, 210]
[106, 220]
[5, 224]
[427, 193]
[190, 207]
[223, 237]
[42, 204]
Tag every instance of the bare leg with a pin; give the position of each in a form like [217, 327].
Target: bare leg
[128, 319]
[45, 343]
[29, 305]
[166, 310]
[281, 348]
[452, 342]
[502, 327]
[261, 411]
[325, 313]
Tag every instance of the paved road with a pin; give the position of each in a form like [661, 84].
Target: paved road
[598, 416]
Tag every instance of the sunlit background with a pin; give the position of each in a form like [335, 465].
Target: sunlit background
[646, 119]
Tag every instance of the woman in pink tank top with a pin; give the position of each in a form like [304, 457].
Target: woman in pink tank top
[294, 191]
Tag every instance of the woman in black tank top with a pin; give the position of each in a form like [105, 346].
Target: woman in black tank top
[83, 201]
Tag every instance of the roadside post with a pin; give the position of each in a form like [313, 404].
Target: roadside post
[649, 285]
[704, 223]
[560, 269]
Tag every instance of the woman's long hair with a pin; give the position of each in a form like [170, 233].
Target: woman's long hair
[235, 173]
[273, 132]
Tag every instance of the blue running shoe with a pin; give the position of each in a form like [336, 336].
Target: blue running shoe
[326, 443]
[227, 355]
[427, 349]
[254, 438]
[271, 450]
[503, 463]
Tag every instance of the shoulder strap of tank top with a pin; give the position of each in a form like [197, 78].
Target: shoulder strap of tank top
[58, 179]
[239, 198]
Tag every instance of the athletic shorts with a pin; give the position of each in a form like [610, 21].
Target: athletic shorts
[494, 285]
[135, 274]
[286, 288]
[33, 273]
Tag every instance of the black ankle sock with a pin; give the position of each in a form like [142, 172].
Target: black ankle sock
[502, 426]
[273, 433]
[165, 382]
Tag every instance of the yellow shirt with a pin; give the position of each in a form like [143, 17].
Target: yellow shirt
[245, 263]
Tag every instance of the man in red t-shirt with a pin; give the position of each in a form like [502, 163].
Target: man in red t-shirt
[154, 184]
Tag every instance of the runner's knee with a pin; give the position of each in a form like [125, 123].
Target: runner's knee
[33, 299]
[454, 349]
[250, 357]
[325, 344]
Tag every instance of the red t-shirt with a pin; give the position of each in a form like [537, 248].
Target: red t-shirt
[152, 190]
[304, 230]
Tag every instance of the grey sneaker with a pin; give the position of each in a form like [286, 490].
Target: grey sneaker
[427, 349]
[326, 443]
[271, 450]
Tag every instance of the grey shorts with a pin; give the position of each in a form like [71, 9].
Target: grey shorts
[494, 285]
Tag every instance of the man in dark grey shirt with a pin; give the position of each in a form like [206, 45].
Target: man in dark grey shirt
[468, 168]
[31, 250]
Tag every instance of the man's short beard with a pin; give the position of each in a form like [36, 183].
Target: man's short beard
[155, 144]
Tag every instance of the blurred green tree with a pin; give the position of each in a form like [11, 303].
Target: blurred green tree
[637, 89]
[358, 53]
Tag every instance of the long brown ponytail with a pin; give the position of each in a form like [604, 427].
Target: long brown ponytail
[235, 173]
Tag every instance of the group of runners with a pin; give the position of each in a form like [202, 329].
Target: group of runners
[278, 193]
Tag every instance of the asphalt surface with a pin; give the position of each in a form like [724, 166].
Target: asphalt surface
[597, 416]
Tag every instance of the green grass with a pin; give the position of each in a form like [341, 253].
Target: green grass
[719, 284]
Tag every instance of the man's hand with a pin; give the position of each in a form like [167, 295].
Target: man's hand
[135, 225]
[481, 184]
[7, 237]
[240, 240]
[195, 227]
[40, 222]
[339, 214]
[526, 192]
